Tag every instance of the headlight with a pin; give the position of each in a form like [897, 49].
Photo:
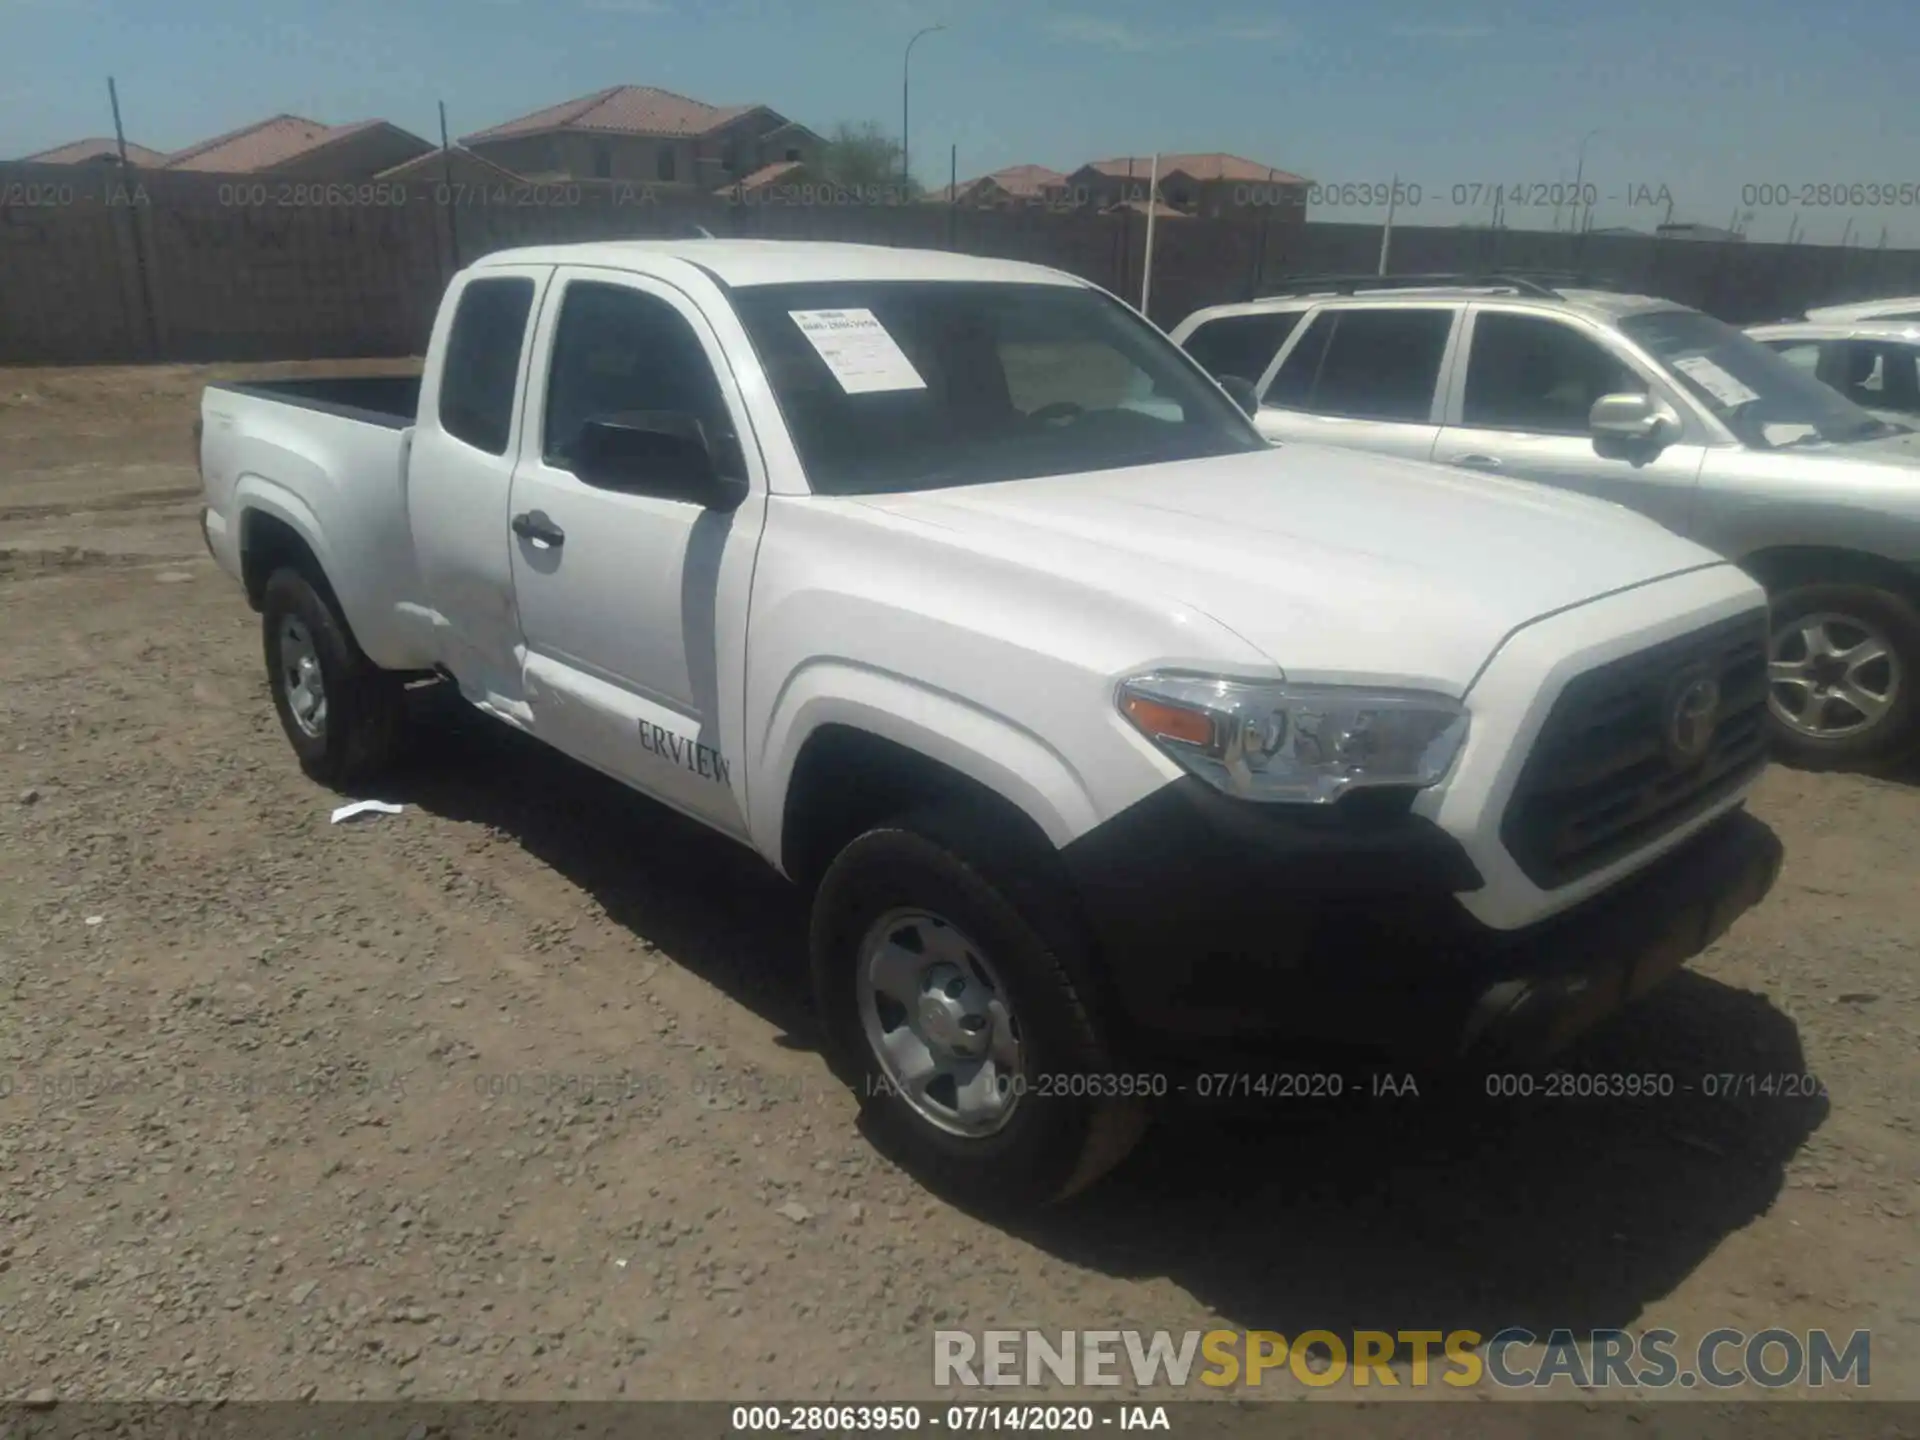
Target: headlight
[1307, 744]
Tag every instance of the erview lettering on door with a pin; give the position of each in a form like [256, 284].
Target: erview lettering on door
[702, 760]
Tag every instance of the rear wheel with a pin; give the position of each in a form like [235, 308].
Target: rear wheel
[948, 998]
[1842, 672]
[344, 716]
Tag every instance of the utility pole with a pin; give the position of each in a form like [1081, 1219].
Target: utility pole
[1386, 231]
[446, 174]
[1153, 208]
[139, 241]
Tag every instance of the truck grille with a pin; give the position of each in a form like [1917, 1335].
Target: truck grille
[1615, 767]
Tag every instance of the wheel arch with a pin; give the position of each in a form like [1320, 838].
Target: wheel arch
[1781, 568]
[276, 531]
[858, 747]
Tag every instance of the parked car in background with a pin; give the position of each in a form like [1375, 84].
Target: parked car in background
[1898, 307]
[1874, 363]
[1645, 403]
[1100, 733]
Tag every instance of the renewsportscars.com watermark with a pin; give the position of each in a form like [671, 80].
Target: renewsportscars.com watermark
[1512, 1359]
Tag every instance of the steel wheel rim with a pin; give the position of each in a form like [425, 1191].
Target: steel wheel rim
[301, 678]
[1831, 676]
[940, 1023]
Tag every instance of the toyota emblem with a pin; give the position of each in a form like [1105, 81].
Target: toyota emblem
[1690, 717]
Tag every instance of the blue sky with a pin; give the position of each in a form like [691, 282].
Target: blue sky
[1704, 98]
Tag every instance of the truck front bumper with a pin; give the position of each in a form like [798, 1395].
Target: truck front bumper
[1220, 925]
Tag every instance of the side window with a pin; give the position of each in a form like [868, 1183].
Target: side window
[1293, 382]
[1382, 364]
[1801, 354]
[1903, 377]
[481, 368]
[1880, 376]
[619, 350]
[1859, 369]
[1241, 345]
[1538, 375]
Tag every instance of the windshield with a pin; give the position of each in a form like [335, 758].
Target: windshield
[1768, 402]
[918, 385]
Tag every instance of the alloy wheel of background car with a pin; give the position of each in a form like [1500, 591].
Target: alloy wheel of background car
[1832, 676]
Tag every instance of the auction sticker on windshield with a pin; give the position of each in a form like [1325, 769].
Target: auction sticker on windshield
[864, 358]
[1715, 381]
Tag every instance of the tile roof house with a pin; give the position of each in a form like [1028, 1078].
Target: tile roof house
[94, 151]
[293, 147]
[643, 133]
[461, 165]
[1012, 186]
[1213, 184]
[768, 181]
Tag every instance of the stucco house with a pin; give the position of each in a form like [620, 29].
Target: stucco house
[1214, 185]
[95, 150]
[645, 134]
[291, 147]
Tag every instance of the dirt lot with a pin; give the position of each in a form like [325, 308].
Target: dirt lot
[511, 1095]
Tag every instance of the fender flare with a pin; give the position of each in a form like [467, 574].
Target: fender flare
[993, 751]
[269, 497]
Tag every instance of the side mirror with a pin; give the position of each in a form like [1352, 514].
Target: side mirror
[1631, 418]
[1242, 393]
[655, 452]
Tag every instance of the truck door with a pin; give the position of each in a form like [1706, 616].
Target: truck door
[460, 473]
[633, 606]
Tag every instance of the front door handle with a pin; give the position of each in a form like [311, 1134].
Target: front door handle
[534, 526]
[1478, 462]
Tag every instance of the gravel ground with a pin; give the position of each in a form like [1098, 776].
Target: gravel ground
[512, 1095]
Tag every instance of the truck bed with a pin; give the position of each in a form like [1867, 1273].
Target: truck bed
[327, 458]
[389, 400]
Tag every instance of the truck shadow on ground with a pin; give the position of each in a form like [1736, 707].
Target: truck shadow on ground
[1464, 1209]
[1443, 1210]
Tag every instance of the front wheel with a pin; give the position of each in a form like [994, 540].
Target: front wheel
[950, 1006]
[1842, 668]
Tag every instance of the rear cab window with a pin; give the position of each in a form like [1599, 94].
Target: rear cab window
[1376, 363]
[480, 371]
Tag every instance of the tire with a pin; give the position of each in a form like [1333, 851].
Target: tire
[1847, 615]
[1057, 1139]
[361, 728]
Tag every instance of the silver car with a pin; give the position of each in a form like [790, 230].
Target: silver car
[1874, 363]
[1642, 402]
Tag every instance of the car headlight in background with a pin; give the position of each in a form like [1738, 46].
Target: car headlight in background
[1304, 744]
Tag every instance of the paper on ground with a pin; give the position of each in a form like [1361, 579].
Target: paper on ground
[864, 358]
[1715, 381]
[365, 807]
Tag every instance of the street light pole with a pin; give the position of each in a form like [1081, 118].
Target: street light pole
[905, 62]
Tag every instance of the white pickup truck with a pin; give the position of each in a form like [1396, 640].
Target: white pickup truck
[1108, 740]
